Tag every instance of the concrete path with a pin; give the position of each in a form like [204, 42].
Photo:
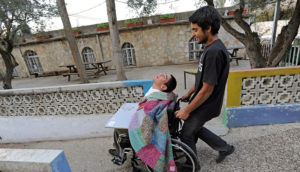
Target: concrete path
[273, 148]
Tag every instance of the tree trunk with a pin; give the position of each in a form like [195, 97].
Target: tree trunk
[285, 38]
[71, 40]
[9, 61]
[253, 50]
[249, 39]
[114, 35]
[10, 64]
[8, 77]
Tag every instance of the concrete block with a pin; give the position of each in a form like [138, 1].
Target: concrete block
[33, 160]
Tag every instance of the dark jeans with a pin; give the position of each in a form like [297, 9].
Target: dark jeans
[193, 129]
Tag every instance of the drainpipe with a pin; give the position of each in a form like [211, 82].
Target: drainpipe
[276, 14]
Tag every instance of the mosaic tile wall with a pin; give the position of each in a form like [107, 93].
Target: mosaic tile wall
[71, 102]
[278, 89]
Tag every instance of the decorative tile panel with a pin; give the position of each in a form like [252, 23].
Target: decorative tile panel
[69, 102]
[277, 89]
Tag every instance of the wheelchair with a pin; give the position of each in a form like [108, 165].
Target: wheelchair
[184, 157]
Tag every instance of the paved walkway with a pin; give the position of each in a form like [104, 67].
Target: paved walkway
[272, 148]
[259, 148]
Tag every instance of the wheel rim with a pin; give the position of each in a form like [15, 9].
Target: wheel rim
[181, 156]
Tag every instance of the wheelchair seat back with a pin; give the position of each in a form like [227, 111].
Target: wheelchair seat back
[174, 123]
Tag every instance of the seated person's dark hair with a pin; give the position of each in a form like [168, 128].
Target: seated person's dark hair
[171, 84]
[205, 17]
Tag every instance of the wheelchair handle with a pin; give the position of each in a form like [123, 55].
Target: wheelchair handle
[179, 100]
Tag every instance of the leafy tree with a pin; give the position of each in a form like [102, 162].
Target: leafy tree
[251, 39]
[14, 17]
[219, 3]
[142, 7]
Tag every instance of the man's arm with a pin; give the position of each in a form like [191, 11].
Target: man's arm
[202, 95]
[187, 96]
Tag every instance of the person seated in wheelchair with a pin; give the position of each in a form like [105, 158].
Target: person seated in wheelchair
[148, 130]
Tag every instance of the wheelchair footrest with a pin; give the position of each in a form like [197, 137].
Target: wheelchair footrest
[117, 160]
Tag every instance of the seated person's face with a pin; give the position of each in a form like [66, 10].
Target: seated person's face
[160, 80]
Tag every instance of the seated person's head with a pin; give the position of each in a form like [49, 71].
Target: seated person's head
[164, 82]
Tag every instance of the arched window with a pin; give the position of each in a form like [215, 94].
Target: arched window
[88, 56]
[33, 62]
[195, 49]
[128, 54]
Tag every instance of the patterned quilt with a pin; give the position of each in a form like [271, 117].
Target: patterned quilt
[149, 134]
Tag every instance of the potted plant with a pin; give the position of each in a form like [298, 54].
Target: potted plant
[42, 36]
[232, 12]
[167, 18]
[133, 22]
[102, 27]
[76, 31]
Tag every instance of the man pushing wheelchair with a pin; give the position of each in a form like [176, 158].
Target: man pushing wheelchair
[148, 130]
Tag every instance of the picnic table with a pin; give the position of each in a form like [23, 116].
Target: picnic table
[188, 71]
[99, 66]
[71, 67]
[233, 54]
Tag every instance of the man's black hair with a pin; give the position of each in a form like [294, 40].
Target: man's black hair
[171, 84]
[205, 17]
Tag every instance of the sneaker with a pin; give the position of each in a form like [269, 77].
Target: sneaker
[113, 152]
[223, 154]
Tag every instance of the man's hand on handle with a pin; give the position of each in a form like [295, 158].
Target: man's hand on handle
[182, 114]
[185, 98]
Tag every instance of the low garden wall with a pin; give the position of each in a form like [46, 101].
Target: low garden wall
[64, 112]
[263, 96]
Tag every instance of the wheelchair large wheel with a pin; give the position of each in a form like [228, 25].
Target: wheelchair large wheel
[184, 157]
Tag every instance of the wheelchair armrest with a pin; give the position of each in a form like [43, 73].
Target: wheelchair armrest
[171, 106]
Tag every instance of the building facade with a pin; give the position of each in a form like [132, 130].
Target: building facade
[145, 45]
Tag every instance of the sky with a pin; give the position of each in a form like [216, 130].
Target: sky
[90, 12]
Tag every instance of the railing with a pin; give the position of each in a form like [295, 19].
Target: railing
[266, 49]
[292, 57]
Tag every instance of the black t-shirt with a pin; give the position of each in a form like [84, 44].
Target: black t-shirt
[213, 69]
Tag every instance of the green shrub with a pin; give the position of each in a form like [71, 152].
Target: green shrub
[75, 29]
[166, 16]
[133, 21]
[102, 25]
[41, 34]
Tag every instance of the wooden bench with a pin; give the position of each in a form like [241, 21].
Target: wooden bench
[69, 75]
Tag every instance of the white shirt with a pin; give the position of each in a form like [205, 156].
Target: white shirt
[151, 90]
